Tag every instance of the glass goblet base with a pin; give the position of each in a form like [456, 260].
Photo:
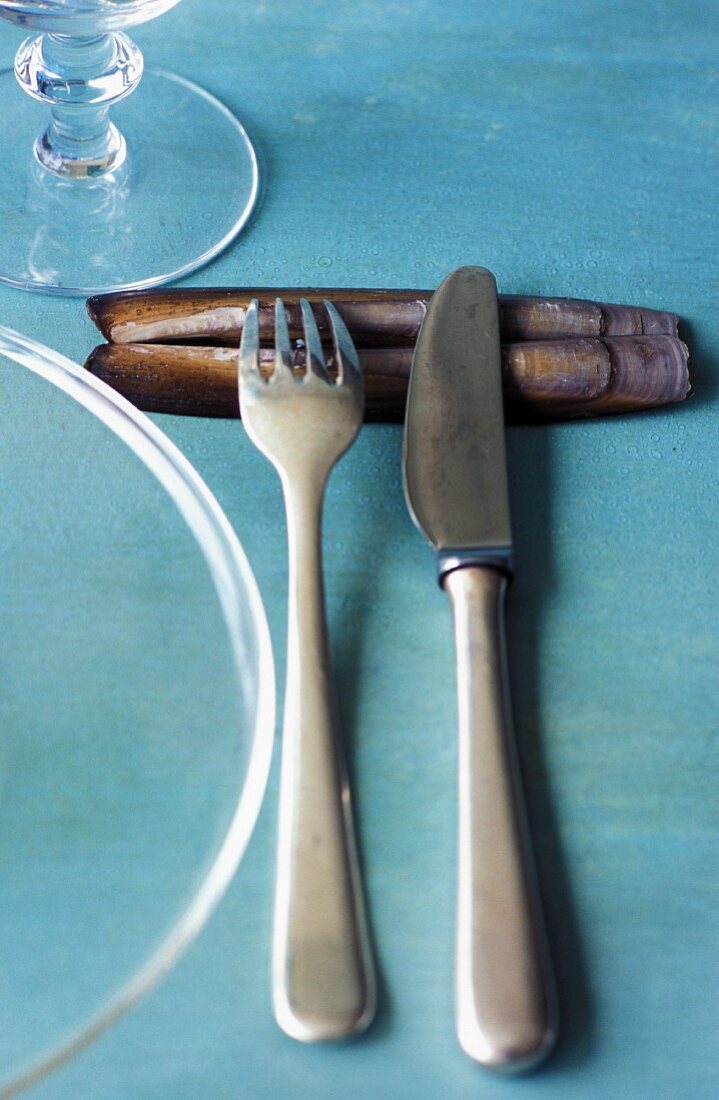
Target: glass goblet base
[184, 191]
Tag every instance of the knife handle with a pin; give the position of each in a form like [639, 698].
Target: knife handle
[505, 996]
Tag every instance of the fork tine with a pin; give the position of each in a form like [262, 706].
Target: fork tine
[313, 344]
[348, 366]
[250, 346]
[283, 347]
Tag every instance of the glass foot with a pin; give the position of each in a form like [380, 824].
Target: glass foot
[184, 191]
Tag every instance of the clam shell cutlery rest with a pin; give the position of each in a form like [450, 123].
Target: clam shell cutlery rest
[174, 350]
[456, 489]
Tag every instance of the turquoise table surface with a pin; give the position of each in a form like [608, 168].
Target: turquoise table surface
[572, 148]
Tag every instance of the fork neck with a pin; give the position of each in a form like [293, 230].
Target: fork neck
[303, 504]
[307, 624]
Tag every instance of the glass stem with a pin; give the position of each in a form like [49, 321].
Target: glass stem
[79, 78]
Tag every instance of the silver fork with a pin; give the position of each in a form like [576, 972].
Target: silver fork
[323, 977]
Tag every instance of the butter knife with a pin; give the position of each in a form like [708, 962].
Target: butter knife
[456, 488]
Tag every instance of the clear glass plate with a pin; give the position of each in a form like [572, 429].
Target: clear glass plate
[136, 706]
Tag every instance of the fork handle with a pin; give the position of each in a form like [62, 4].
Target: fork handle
[505, 1002]
[323, 980]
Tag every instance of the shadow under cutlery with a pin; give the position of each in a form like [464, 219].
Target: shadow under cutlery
[530, 476]
[351, 578]
[530, 481]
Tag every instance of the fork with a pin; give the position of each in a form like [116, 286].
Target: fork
[322, 972]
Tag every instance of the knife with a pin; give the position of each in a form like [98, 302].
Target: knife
[455, 481]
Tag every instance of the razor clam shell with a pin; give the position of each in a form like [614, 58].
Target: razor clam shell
[555, 379]
[381, 318]
[544, 380]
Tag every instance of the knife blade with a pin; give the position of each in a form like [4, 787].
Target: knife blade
[455, 480]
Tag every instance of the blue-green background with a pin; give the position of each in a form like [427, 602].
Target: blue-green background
[572, 148]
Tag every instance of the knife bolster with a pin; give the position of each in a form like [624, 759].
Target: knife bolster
[493, 557]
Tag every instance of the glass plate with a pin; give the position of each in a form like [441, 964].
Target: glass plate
[136, 706]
